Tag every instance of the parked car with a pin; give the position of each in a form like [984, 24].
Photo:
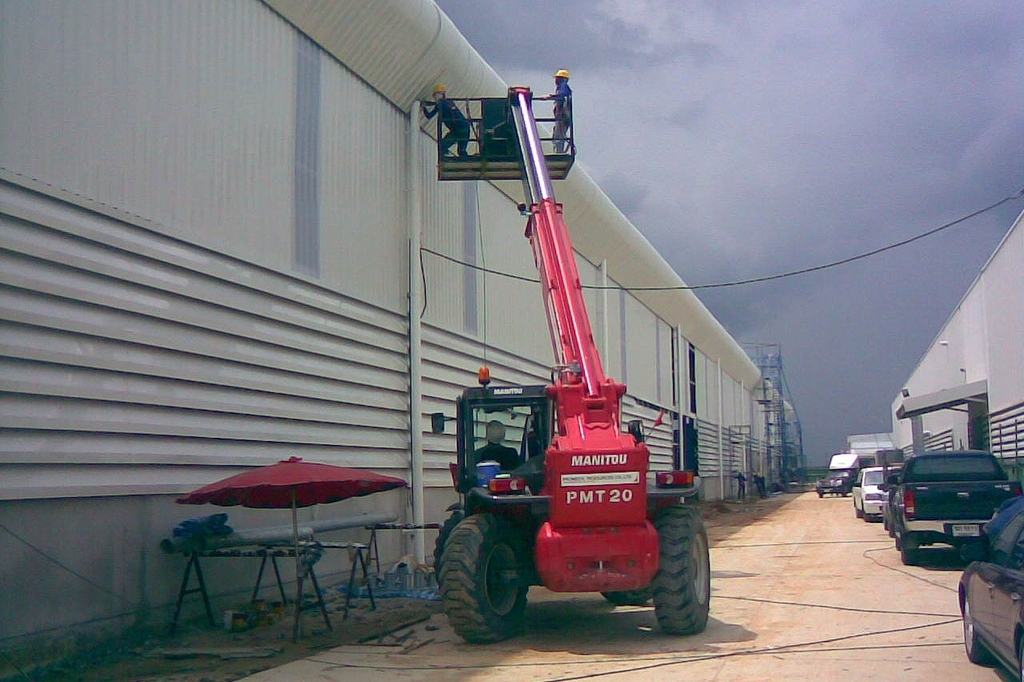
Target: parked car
[893, 473]
[836, 482]
[990, 590]
[869, 496]
[946, 497]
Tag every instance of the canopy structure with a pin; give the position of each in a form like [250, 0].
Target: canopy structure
[947, 398]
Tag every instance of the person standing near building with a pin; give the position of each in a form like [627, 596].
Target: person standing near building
[452, 118]
[741, 484]
[562, 97]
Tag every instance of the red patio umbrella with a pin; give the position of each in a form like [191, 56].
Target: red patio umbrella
[292, 483]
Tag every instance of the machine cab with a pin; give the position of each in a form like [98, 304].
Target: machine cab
[507, 425]
[493, 151]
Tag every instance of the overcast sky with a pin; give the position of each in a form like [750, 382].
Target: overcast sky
[746, 139]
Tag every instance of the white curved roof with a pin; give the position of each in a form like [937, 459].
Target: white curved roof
[401, 48]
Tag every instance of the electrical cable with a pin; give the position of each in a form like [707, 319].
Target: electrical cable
[796, 647]
[901, 571]
[766, 278]
[838, 608]
[61, 565]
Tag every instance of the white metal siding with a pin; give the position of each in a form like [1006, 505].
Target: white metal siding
[120, 344]
[178, 112]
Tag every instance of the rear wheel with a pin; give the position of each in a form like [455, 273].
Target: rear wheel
[976, 651]
[682, 585]
[481, 579]
[910, 554]
[630, 597]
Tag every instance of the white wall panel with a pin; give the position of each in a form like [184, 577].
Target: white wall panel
[177, 112]
[363, 211]
[1003, 291]
[120, 344]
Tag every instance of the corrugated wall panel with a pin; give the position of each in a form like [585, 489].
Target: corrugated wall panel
[166, 352]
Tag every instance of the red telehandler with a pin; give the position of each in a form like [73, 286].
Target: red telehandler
[577, 509]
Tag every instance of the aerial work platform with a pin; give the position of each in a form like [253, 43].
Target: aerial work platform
[493, 151]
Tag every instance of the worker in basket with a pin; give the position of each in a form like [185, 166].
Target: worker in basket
[562, 97]
[452, 118]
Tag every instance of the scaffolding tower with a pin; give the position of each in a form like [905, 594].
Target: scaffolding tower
[782, 441]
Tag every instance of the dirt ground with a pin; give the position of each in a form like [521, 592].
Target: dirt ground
[198, 653]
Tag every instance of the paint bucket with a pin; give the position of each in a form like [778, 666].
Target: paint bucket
[485, 471]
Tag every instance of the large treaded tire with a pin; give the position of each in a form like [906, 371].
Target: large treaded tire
[682, 585]
[480, 580]
[630, 597]
[442, 538]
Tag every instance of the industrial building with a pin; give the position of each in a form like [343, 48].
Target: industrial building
[225, 244]
[967, 391]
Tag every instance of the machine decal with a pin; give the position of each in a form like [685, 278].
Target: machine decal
[598, 460]
[614, 478]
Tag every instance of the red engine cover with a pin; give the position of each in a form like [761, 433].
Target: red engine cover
[597, 559]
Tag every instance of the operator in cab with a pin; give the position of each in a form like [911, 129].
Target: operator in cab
[495, 449]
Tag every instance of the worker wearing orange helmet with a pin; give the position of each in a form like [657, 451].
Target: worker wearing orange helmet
[563, 109]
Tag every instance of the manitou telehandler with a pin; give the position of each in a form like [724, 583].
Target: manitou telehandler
[580, 511]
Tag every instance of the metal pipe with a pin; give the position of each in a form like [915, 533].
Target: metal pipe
[271, 535]
[535, 164]
[415, 334]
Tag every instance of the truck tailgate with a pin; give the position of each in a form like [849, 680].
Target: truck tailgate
[959, 501]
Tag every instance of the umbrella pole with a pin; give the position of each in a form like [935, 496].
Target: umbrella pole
[298, 571]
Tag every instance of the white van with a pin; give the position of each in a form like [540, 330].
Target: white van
[868, 500]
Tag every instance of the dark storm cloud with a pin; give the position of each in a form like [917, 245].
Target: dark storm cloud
[746, 139]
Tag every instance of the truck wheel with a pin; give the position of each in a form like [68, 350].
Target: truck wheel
[442, 537]
[480, 580]
[910, 555]
[682, 585]
[630, 597]
[857, 511]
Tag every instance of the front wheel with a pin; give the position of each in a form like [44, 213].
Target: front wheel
[481, 586]
[976, 651]
[682, 585]
[442, 539]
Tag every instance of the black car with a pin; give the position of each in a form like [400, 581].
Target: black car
[990, 590]
[836, 482]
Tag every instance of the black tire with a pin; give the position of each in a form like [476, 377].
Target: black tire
[682, 585]
[821, 494]
[630, 597]
[976, 651]
[442, 537]
[481, 585]
[857, 511]
[910, 555]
